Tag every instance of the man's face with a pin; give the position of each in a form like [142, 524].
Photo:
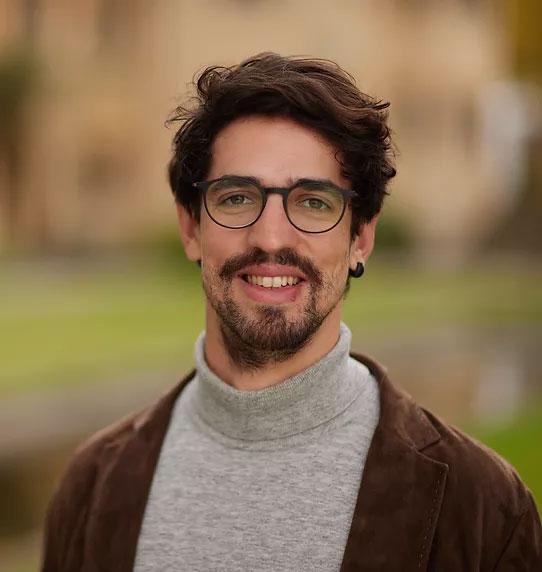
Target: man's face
[271, 323]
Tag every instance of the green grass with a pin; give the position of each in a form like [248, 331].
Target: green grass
[77, 327]
[392, 294]
[81, 327]
[519, 442]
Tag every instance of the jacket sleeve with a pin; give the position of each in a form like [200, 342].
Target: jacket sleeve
[523, 550]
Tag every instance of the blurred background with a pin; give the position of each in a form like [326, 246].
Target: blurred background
[99, 309]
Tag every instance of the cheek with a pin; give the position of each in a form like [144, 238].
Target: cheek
[331, 256]
[218, 245]
[340, 270]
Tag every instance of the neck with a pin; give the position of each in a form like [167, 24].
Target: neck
[301, 403]
[270, 374]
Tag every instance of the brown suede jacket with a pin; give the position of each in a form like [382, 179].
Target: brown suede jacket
[431, 498]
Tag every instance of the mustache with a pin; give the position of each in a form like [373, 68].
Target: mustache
[285, 257]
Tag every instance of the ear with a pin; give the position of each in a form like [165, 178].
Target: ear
[190, 233]
[363, 242]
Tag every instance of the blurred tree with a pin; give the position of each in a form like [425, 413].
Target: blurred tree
[524, 18]
[19, 72]
[521, 228]
[394, 233]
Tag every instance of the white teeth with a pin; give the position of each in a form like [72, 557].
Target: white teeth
[272, 281]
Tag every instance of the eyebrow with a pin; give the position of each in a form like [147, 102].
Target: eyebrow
[290, 182]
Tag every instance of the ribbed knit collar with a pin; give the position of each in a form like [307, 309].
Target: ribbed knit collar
[298, 404]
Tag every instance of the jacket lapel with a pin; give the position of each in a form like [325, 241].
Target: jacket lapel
[401, 490]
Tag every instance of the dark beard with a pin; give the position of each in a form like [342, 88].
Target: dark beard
[254, 344]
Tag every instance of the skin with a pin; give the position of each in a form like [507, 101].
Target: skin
[277, 151]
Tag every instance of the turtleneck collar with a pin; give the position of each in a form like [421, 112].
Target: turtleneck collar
[300, 403]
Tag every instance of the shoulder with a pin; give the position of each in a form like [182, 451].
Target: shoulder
[146, 424]
[93, 455]
[95, 450]
[485, 505]
[89, 459]
[485, 494]
[476, 471]
[71, 503]
[69, 507]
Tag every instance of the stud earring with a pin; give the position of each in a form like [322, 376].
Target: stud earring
[360, 269]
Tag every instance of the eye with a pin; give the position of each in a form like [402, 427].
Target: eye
[235, 200]
[314, 203]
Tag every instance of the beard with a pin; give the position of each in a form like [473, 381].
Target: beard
[269, 337]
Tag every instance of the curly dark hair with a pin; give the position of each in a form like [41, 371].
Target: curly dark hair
[316, 93]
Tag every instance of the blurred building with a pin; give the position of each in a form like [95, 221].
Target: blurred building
[83, 162]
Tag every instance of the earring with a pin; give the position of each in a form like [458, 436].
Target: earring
[360, 269]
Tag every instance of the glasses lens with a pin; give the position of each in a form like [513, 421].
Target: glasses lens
[315, 208]
[233, 203]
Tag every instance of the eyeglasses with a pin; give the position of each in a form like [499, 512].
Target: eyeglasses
[311, 205]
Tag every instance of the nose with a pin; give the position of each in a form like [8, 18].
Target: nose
[273, 231]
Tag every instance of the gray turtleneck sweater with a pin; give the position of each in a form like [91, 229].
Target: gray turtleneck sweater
[261, 480]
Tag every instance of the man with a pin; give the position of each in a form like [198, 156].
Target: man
[282, 451]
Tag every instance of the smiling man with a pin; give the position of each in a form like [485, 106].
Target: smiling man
[275, 246]
[283, 450]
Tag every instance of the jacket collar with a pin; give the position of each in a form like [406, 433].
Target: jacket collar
[395, 514]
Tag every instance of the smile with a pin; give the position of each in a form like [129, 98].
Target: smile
[271, 281]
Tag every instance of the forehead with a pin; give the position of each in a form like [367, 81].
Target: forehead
[275, 150]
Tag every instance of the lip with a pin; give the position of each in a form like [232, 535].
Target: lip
[282, 295]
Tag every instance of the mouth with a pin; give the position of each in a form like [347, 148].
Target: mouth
[272, 284]
[271, 281]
